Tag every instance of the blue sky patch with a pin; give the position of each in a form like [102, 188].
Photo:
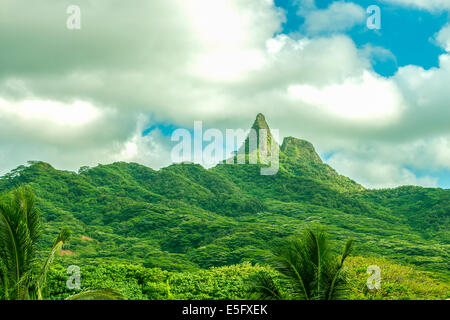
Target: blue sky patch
[407, 33]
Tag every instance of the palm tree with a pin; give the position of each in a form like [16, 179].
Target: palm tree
[21, 277]
[310, 268]
[97, 294]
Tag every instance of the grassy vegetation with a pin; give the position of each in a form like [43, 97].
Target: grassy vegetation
[185, 217]
[232, 282]
[21, 275]
[185, 220]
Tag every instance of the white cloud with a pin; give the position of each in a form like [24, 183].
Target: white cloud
[84, 98]
[376, 173]
[50, 113]
[433, 5]
[369, 99]
[59, 123]
[443, 38]
[339, 16]
[377, 53]
[377, 164]
[152, 150]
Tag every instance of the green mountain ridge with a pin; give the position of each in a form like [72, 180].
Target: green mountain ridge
[185, 217]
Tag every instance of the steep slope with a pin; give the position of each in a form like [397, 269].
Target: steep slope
[297, 158]
[262, 135]
[427, 210]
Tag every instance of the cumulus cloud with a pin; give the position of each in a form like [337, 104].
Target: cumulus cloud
[376, 173]
[82, 97]
[377, 53]
[367, 162]
[443, 38]
[339, 16]
[366, 99]
[433, 5]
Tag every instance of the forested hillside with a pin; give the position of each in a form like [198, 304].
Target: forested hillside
[184, 217]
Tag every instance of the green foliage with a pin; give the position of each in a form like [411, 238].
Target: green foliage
[425, 209]
[309, 266]
[99, 294]
[233, 282]
[137, 282]
[397, 282]
[262, 286]
[20, 229]
[185, 219]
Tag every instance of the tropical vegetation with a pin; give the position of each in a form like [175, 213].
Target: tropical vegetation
[21, 276]
[158, 233]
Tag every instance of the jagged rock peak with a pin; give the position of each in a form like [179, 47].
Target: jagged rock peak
[260, 122]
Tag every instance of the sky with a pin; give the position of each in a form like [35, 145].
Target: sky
[375, 103]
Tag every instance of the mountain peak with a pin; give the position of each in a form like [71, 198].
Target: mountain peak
[297, 149]
[260, 123]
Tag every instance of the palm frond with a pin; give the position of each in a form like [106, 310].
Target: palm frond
[98, 294]
[4, 281]
[263, 287]
[347, 250]
[19, 230]
[337, 287]
[63, 236]
[309, 264]
[289, 261]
